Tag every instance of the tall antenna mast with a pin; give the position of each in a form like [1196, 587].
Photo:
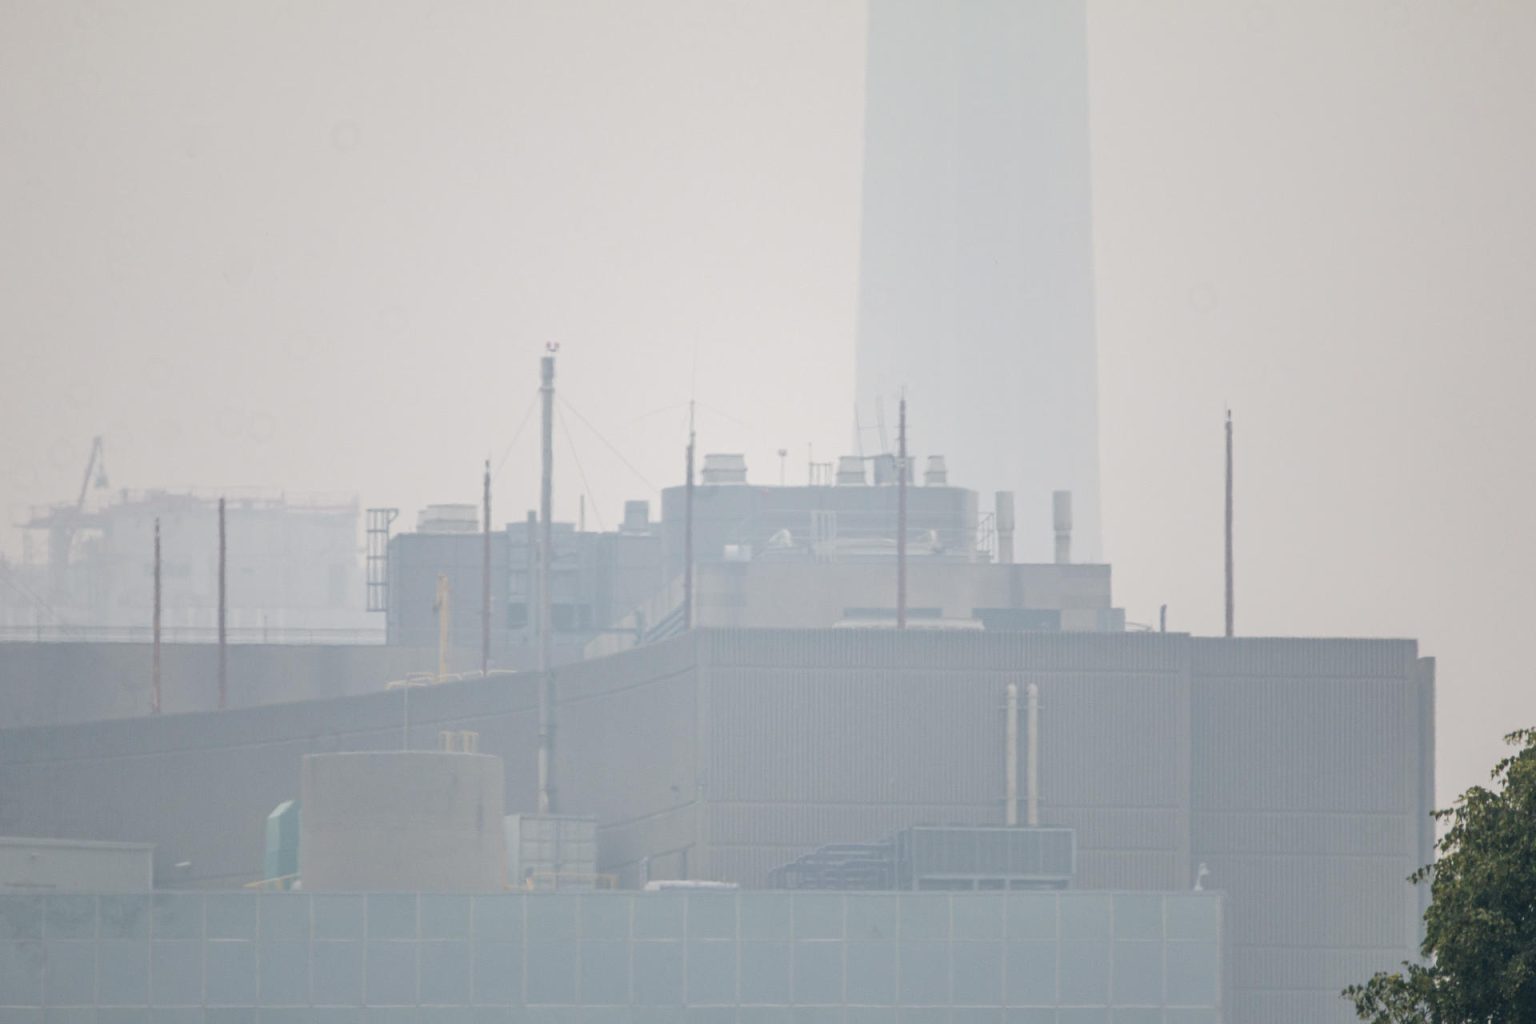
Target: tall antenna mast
[223, 605]
[485, 577]
[688, 529]
[154, 700]
[901, 516]
[546, 559]
[1230, 600]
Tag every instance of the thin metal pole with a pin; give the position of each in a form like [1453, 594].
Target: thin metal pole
[1032, 737]
[546, 554]
[485, 579]
[1230, 598]
[688, 529]
[531, 587]
[444, 626]
[1011, 758]
[155, 668]
[223, 606]
[901, 518]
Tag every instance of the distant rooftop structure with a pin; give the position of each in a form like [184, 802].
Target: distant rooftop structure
[294, 563]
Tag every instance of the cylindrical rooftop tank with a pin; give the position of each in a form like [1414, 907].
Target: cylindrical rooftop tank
[410, 820]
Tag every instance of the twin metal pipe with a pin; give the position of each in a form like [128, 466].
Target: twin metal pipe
[1011, 756]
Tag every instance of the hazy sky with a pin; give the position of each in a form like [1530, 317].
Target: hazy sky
[319, 247]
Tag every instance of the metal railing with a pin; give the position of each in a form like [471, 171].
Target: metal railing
[60, 633]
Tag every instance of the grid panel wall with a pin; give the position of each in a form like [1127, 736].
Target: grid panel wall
[289, 955]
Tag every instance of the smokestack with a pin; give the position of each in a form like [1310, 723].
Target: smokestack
[1061, 509]
[1230, 611]
[1004, 524]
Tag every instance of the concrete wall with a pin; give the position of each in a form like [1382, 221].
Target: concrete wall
[402, 821]
[61, 683]
[54, 865]
[199, 786]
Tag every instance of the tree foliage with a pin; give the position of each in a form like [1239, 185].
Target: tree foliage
[1480, 929]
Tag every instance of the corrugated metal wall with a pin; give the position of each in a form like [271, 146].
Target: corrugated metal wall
[846, 736]
[1313, 776]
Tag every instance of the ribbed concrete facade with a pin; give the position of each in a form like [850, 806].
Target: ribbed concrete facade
[1299, 771]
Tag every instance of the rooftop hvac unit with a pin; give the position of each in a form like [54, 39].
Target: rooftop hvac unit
[637, 517]
[724, 469]
[448, 519]
[940, 857]
[985, 857]
[551, 852]
[850, 471]
[937, 473]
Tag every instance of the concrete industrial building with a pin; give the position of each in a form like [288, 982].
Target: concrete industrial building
[1297, 772]
[597, 577]
[764, 556]
[976, 258]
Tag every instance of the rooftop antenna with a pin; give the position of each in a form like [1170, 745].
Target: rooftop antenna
[442, 606]
[154, 700]
[901, 514]
[688, 528]
[783, 454]
[1230, 617]
[223, 606]
[485, 576]
[546, 553]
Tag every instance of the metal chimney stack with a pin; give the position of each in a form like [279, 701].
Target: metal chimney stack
[1061, 508]
[1004, 523]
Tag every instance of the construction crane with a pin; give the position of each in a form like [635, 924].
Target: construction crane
[98, 463]
[62, 521]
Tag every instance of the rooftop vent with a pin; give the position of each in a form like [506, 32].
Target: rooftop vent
[1061, 515]
[637, 517]
[448, 519]
[850, 471]
[725, 469]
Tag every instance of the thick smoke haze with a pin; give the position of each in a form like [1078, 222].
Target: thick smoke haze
[320, 247]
